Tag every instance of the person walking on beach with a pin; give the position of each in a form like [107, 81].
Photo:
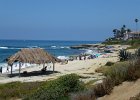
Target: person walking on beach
[84, 57]
[7, 69]
[0, 69]
[80, 57]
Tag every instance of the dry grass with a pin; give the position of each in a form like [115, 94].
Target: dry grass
[101, 69]
[137, 97]
[104, 88]
[115, 75]
[94, 92]
[85, 95]
[90, 83]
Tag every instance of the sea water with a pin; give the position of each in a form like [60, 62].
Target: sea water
[56, 48]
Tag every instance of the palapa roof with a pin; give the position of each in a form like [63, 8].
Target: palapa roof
[32, 55]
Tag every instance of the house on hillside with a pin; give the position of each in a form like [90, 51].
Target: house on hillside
[131, 35]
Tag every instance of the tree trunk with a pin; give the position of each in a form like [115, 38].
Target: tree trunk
[11, 69]
[53, 67]
[19, 68]
[43, 65]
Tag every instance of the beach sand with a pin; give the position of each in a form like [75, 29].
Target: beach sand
[80, 67]
[85, 68]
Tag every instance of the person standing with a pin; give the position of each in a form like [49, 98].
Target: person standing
[0, 69]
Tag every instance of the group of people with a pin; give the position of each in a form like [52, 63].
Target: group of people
[79, 57]
[82, 57]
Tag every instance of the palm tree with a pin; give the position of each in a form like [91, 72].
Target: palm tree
[116, 33]
[136, 21]
[123, 30]
[124, 26]
[129, 30]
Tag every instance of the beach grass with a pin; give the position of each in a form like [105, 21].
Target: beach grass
[18, 90]
[135, 43]
[69, 86]
[58, 89]
[55, 89]
[115, 75]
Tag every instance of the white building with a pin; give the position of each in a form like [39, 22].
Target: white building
[131, 35]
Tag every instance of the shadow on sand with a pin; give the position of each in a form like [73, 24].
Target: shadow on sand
[33, 73]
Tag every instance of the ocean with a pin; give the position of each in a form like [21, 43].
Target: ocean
[56, 48]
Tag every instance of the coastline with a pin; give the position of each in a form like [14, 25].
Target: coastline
[78, 67]
[84, 68]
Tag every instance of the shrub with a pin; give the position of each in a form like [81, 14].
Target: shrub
[101, 69]
[17, 89]
[109, 63]
[137, 53]
[135, 43]
[104, 88]
[115, 75]
[133, 72]
[85, 95]
[124, 71]
[96, 91]
[58, 89]
[124, 55]
[118, 72]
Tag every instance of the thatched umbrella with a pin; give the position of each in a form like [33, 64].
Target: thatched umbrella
[32, 56]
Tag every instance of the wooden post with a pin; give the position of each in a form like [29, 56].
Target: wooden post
[19, 68]
[43, 65]
[11, 69]
[53, 66]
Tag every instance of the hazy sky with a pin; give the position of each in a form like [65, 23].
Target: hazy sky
[65, 19]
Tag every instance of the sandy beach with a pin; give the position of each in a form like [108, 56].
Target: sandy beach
[85, 68]
[80, 67]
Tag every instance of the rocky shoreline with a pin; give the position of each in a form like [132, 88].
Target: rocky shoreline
[87, 46]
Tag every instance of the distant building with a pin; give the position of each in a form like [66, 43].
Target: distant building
[131, 35]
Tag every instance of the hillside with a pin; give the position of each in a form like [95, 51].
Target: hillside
[124, 91]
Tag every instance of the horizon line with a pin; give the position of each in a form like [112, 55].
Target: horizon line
[49, 40]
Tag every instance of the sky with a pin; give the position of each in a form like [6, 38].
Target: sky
[90, 20]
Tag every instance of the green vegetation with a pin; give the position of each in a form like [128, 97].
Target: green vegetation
[84, 95]
[109, 63]
[58, 89]
[123, 72]
[135, 43]
[119, 33]
[18, 89]
[124, 55]
[138, 52]
[115, 75]
[113, 42]
[94, 92]
[68, 87]
[103, 68]
[90, 83]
